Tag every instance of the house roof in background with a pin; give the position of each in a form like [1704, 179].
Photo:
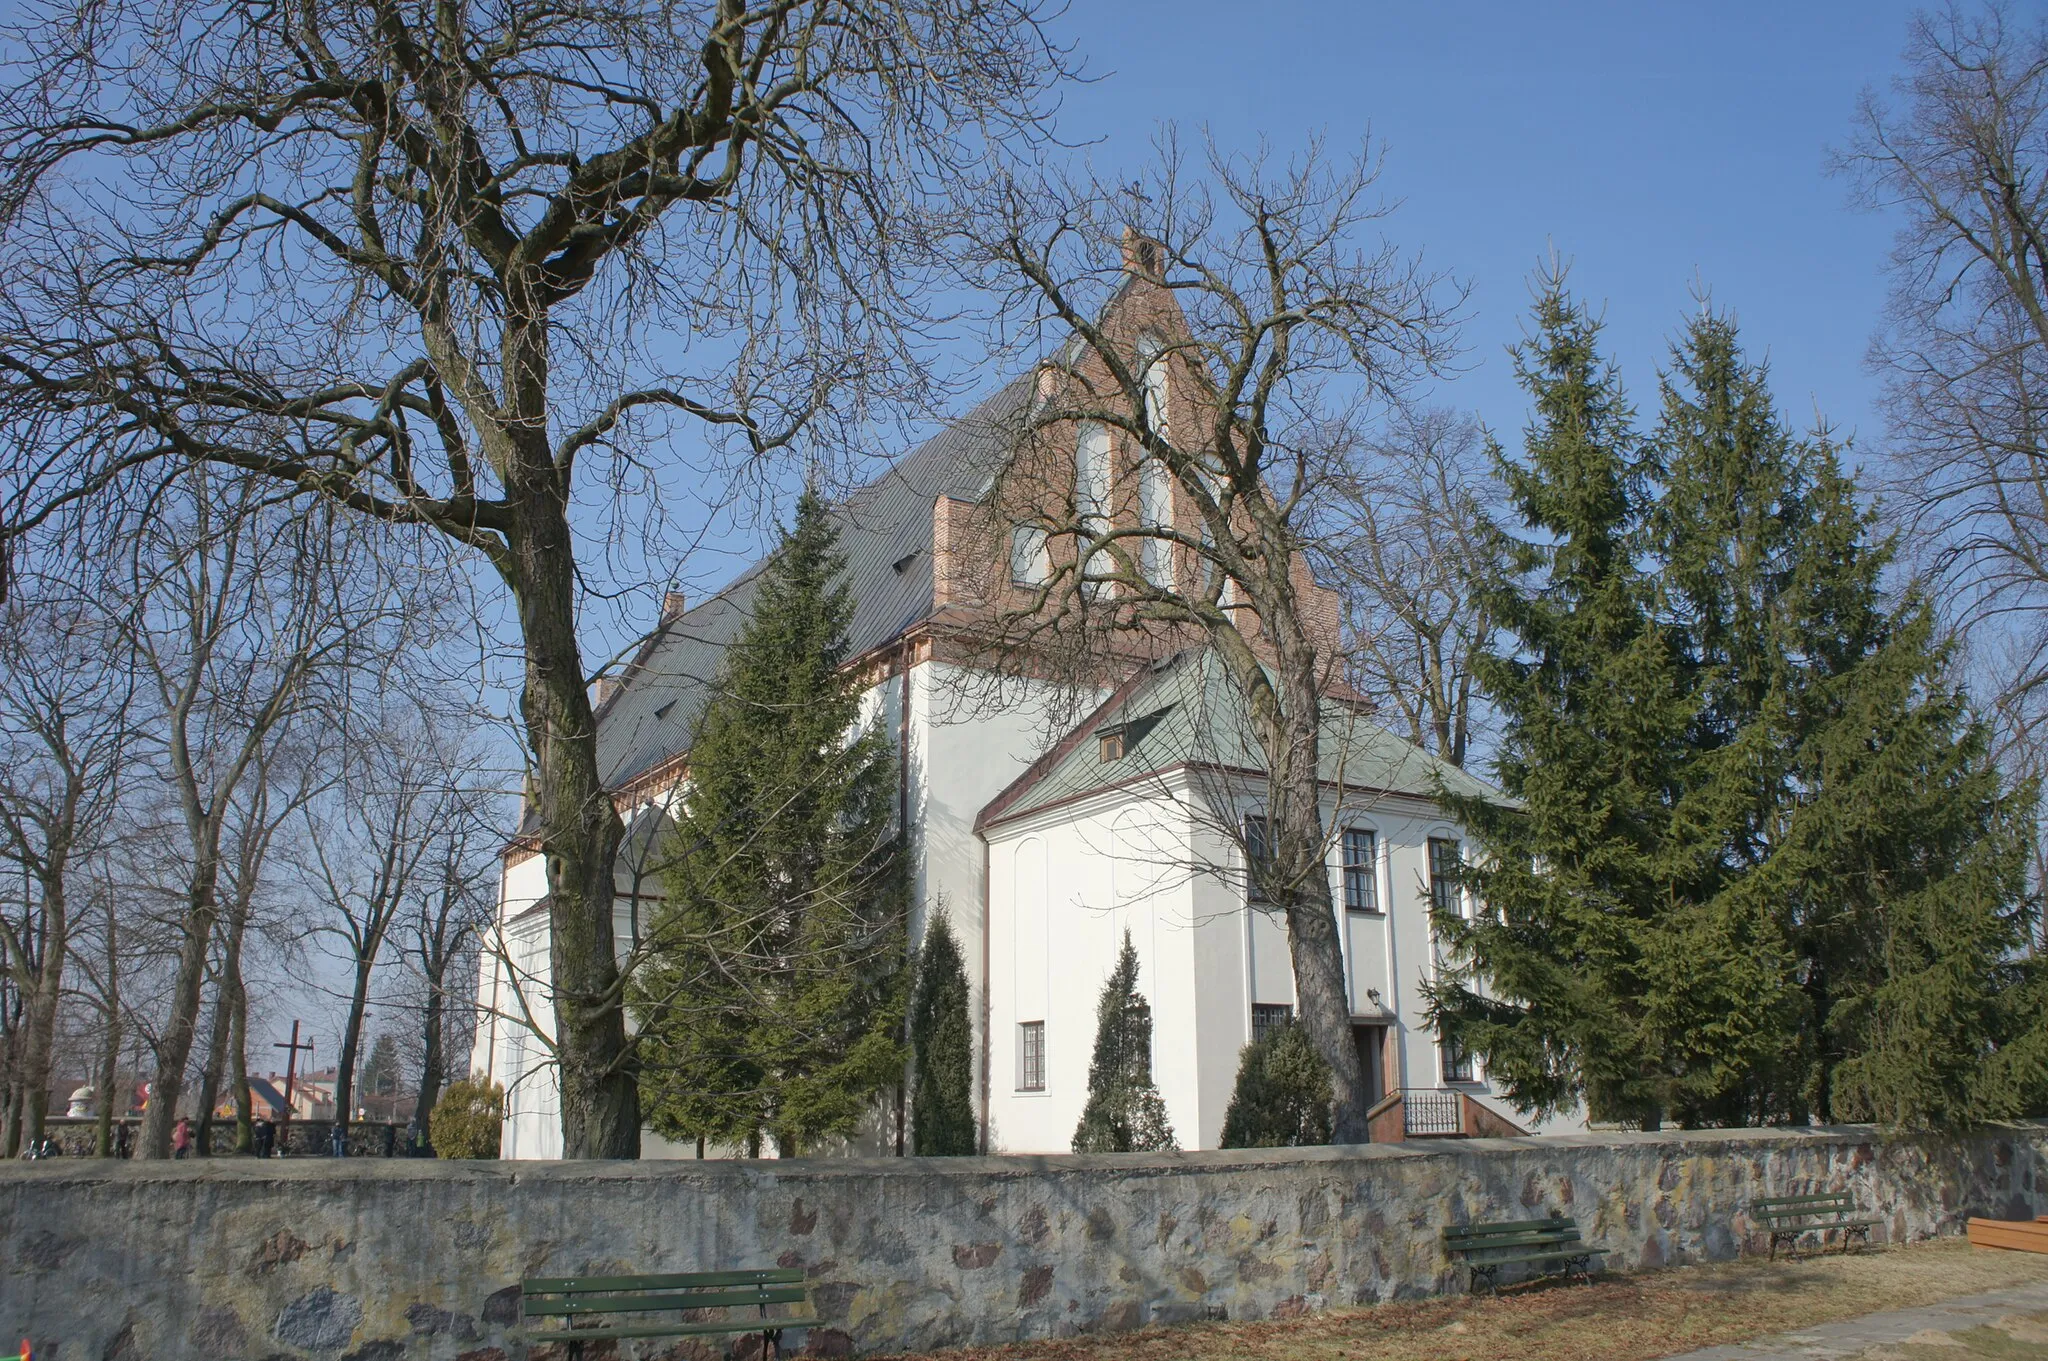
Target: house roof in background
[885, 531]
[1182, 711]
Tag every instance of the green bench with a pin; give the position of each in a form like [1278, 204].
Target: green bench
[1553, 1243]
[594, 1308]
[1788, 1218]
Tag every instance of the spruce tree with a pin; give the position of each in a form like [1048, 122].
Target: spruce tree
[1771, 853]
[1282, 1096]
[942, 1048]
[1124, 1113]
[1868, 852]
[1575, 872]
[774, 996]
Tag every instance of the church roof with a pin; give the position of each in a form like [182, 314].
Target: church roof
[1183, 711]
[885, 531]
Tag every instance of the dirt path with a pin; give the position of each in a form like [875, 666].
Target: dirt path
[1632, 1318]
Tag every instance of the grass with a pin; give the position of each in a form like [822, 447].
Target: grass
[1617, 1318]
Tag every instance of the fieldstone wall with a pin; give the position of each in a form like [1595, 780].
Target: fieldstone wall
[377, 1260]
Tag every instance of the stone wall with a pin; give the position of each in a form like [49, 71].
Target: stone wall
[377, 1260]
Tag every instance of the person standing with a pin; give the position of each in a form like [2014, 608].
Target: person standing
[181, 1138]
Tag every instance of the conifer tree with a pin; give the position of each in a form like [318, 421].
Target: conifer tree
[1124, 1113]
[1800, 878]
[1868, 852]
[1282, 1096]
[774, 998]
[1588, 690]
[942, 1048]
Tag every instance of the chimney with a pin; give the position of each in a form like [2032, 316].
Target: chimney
[673, 603]
[1141, 255]
[602, 689]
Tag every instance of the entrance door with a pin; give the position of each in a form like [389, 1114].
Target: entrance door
[1372, 1058]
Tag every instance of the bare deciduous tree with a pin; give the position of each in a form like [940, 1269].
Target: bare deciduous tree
[234, 610]
[1960, 152]
[375, 850]
[1403, 541]
[449, 264]
[1230, 345]
[64, 729]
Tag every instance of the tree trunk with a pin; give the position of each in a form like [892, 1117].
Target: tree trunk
[238, 1063]
[1286, 711]
[40, 1020]
[351, 1045]
[110, 1053]
[216, 1059]
[224, 1049]
[174, 1050]
[431, 1062]
[579, 832]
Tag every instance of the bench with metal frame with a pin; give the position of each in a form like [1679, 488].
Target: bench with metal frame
[1554, 1244]
[589, 1305]
[1789, 1218]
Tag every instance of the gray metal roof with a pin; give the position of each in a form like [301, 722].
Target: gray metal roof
[1184, 711]
[885, 531]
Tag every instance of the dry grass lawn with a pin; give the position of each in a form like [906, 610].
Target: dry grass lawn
[1617, 1318]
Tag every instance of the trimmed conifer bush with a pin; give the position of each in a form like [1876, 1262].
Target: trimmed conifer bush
[1282, 1097]
[1124, 1113]
[942, 1048]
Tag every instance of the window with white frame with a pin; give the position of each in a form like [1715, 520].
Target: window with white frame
[1030, 561]
[1031, 1056]
[1361, 870]
[1443, 876]
[1258, 857]
[1455, 1062]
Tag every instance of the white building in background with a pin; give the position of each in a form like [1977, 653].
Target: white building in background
[1044, 825]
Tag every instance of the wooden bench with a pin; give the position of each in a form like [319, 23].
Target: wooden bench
[1788, 1218]
[1553, 1242]
[588, 1306]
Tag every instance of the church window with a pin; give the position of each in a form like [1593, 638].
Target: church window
[1030, 563]
[1092, 477]
[1153, 366]
[1155, 511]
[1269, 1017]
[1031, 1056]
[1361, 870]
[1258, 857]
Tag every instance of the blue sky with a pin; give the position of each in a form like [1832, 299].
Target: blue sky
[1653, 144]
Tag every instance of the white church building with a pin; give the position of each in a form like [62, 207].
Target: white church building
[1044, 829]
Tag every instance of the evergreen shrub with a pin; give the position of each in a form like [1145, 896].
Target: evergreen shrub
[468, 1119]
[1282, 1098]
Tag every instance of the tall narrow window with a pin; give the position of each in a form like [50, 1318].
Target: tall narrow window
[1092, 474]
[1258, 858]
[1268, 1017]
[1155, 511]
[1155, 387]
[1092, 477]
[1031, 1056]
[1361, 870]
[1443, 876]
[1030, 563]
